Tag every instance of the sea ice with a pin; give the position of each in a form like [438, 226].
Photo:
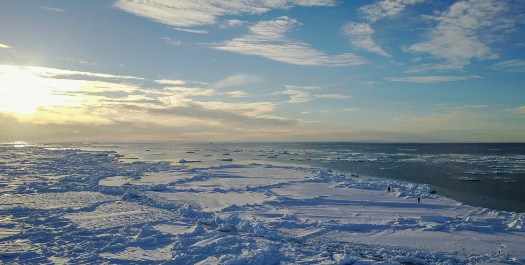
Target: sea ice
[68, 206]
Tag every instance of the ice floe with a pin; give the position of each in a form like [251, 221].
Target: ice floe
[72, 206]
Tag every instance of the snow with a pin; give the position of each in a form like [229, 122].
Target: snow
[69, 206]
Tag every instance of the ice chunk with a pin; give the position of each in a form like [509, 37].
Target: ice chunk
[158, 187]
[433, 219]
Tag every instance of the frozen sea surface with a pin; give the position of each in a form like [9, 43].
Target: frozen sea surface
[499, 168]
[73, 206]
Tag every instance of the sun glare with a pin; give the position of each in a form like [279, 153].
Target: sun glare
[22, 92]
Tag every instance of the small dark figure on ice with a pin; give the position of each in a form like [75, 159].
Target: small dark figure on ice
[388, 189]
[418, 200]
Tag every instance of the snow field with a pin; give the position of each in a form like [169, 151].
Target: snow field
[80, 207]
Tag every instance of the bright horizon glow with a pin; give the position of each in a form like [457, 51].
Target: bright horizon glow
[318, 70]
[22, 92]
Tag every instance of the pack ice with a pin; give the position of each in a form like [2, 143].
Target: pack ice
[71, 206]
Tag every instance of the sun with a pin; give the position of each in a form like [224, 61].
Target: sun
[23, 92]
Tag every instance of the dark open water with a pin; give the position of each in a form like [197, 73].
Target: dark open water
[500, 168]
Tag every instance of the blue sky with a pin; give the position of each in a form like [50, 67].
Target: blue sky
[270, 70]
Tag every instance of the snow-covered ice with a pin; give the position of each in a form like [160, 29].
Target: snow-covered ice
[69, 206]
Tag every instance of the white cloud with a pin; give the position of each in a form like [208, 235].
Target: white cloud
[53, 72]
[247, 109]
[237, 94]
[3, 46]
[180, 94]
[267, 39]
[360, 35]
[170, 82]
[178, 82]
[431, 79]
[303, 94]
[471, 107]
[510, 66]
[197, 31]
[332, 96]
[298, 96]
[520, 110]
[238, 80]
[351, 109]
[65, 97]
[385, 8]
[445, 66]
[176, 103]
[188, 13]
[222, 114]
[302, 87]
[231, 23]
[464, 32]
[47, 95]
[54, 9]
[370, 83]
[172, 41]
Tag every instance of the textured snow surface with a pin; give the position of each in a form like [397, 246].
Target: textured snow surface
[85, 207]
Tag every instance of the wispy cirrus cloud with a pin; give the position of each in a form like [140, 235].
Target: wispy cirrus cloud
[520, 110]
[223, 114]
[238, 80]
[189, 13]
[303, 94]
[302, 87]
[432, 79]
[385, 8]
[351, 109]
[298, 96]
[54, 9]
[170, 82]
[332, 96]
[180, 94]
[268, 39]
[465, 32]
[54, 72]
[60, 94]
[237, 94]
[3, 46]
[172, 41]
[360, 35]
[472, 107]
[232, 23]
[510, 66]
[178, 82]
[197, 31]
[66, 97]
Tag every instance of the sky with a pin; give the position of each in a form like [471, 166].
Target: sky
[267, 70]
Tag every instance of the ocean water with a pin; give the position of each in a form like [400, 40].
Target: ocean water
[494, 173]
